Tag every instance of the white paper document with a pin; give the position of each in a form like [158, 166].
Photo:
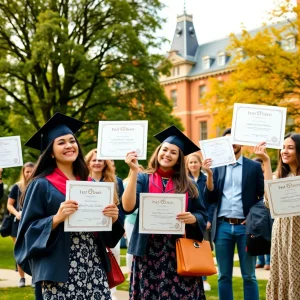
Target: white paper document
[92, 198]
[157, 213]
[220, 150]
[284, 196]
[117, 138]
[252, 124]
[10, 152]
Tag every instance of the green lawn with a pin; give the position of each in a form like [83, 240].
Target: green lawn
[7, 262]
[27, 293]
[17, 293]
[213, 294]
[236, 263]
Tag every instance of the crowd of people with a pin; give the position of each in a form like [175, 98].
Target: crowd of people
[218, 201]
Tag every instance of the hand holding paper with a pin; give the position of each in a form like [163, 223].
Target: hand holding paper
[111, 211]
[95, 206]
[219, 151]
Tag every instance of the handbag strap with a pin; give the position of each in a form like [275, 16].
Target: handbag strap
[186, 209]
[109, 251]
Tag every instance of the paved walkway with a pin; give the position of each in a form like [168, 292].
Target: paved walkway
[10, 278]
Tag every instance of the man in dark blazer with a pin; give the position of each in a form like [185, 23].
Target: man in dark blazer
[236, 188]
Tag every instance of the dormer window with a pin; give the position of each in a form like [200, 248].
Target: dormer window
[289, 43]
[240, 54]
[206, 61]
[221, 59]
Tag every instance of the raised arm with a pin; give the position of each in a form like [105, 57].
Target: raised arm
[129, 195]
[210, 180]
[261, 152]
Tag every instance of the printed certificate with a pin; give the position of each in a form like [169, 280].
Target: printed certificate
[92, 198]
[284, 196]
[10, 152]
[252, 124]
[117, 138]
[157, 213]
[219, 150]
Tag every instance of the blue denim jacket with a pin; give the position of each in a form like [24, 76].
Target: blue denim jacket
[138, 242]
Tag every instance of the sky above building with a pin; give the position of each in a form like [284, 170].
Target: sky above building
[216, 19]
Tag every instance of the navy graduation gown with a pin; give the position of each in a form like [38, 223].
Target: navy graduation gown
[42, 253]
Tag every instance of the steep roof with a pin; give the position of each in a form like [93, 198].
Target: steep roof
[188, 48]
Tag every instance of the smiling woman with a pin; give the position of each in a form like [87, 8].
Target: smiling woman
[42, 244]
[154, 258]
[284, 281]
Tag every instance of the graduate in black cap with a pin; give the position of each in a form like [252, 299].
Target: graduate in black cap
[68, 265]
[154, 258]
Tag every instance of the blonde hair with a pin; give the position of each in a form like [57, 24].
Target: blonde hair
[22, 180]
[195, 154]
[108, 173]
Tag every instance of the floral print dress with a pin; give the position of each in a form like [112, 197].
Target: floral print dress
[87, 278]
[154, 275]
[284, 283]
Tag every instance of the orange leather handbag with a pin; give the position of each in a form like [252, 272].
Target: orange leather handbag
[194, 258]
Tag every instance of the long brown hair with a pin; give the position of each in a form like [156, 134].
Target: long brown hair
[108, 173]
[22, 180]
[284, 169]
[46, 165]
[182, 183]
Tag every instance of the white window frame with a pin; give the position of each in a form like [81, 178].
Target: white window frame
[203, 131]
[206, 61]
[221, 59]
[240, 52]
[289, 43]
[202, 91]
[174, 99]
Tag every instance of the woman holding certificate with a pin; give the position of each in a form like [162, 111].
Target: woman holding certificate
[13, 206]
[154, 259]
[68, 265]
[284, 281]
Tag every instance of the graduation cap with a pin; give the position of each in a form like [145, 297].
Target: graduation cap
[58, 125]
[173, 135]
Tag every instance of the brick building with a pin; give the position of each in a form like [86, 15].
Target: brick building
[193, 65]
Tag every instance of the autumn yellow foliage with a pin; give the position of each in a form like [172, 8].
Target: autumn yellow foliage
[266, 69]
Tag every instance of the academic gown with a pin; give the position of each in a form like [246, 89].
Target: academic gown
[42, 253]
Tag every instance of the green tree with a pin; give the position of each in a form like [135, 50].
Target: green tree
[266, 69]
[89, 59]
